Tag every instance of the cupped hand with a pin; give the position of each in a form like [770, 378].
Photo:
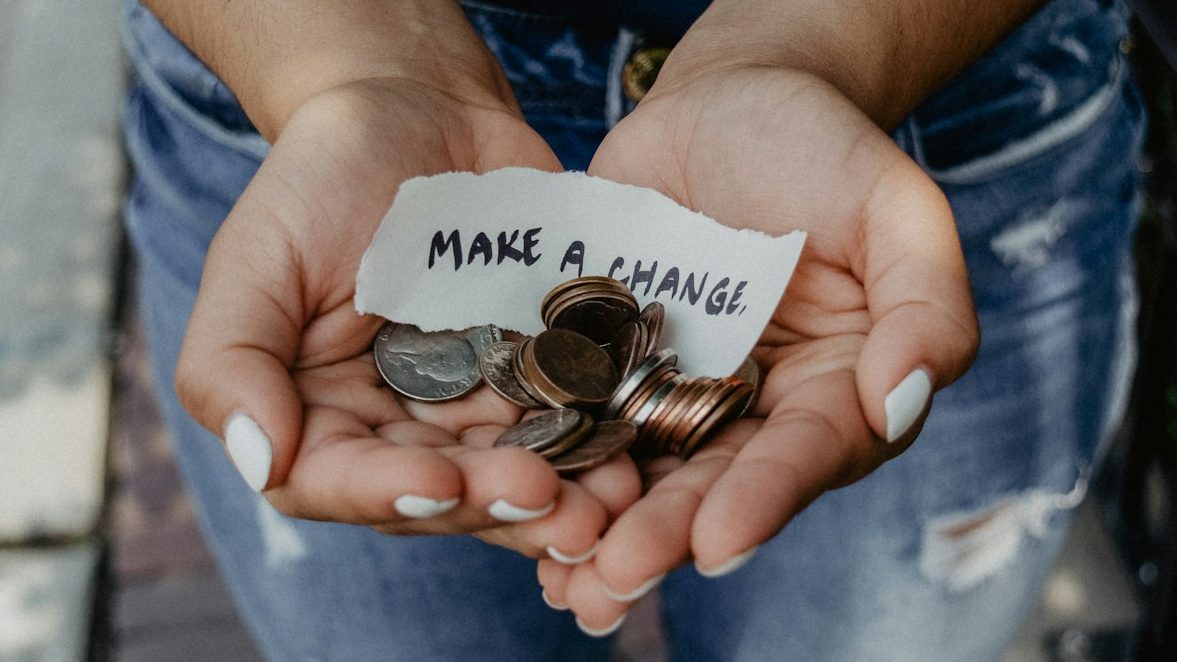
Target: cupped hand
[277, 361]
[878, 314]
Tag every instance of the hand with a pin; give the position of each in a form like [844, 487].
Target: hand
[880, 293]
[275, 336]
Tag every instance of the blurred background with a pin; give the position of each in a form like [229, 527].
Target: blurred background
[100, 553]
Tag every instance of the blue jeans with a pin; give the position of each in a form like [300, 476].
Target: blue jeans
[937, 555]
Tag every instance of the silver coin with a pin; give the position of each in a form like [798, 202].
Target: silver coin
[627, 387]
[751, 372]
[430, 367]
[482, 337]
[545, 431]
[496, 365]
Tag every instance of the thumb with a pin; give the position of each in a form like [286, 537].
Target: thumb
[924, 331]
[233, 375]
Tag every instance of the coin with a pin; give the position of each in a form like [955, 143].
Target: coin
[751, 372]
[496, 366]
[430, 367]
[481, 337]
[653, 316]
[570, 369]
[546, 430]
[607, 440]
[633, 382]
[597, 318]
[628, 347]
[728, 407]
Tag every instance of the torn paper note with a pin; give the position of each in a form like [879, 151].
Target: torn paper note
[459, 250]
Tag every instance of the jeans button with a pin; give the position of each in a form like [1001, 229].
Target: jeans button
[639, 74]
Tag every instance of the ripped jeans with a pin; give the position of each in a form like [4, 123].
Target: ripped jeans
[938, 555]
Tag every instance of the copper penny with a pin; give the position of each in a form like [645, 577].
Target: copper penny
[571, 368]
[607, 440]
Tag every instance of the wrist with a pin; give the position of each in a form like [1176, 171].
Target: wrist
[885, 57]
[276, 56]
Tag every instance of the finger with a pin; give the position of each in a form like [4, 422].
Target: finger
[924, 331]
[616, 485]
[568, 535]
[553, 579]
[344, 473]
[815, 440]
[233, 373]
[597, 614]
[653, 536]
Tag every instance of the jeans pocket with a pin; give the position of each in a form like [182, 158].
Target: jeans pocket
[176, 78]
[1044, 85]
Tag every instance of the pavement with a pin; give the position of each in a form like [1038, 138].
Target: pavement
[100, 550]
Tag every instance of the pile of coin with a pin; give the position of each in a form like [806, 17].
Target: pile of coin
[597, 361]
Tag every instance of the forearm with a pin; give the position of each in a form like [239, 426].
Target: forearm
[886, 56]
[276, 54]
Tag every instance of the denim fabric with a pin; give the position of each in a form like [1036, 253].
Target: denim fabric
[1034, 146]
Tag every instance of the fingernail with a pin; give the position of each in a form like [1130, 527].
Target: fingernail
[250, 450]
[552, 603]
[729, 566]
[419, 507]
[505, 512]
[603, 632]
[636, 593]
[567, 559]
[905, 402]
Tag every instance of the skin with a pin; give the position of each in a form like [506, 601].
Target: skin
[766, 116]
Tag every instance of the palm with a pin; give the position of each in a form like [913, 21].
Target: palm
[777, 151]
[346, 447]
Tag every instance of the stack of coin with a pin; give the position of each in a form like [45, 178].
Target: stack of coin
[598, 357]
[593, 306]
[675, 413]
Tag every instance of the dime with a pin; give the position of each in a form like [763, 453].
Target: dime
[546, 430]
[495, 364]
[633, 382]
[430, 367]
[607, 440]
[570, 369]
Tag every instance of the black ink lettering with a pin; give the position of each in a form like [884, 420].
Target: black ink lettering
[507, 247]
[481, 244]
[640, 276]
[574, 255]
[734, 302]
[617, 264]
[688, 287]
[438, 246]
[717, 297]
[669, 283]
[529, 242]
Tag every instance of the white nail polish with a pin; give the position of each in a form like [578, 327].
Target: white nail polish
[636, 593]
[729, 566]
[603, 632]
[905, 402]
[552, 603]
[250, 450]
[419, 507]
[573, 560]
[505, 512]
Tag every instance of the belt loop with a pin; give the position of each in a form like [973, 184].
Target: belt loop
[615, 102]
